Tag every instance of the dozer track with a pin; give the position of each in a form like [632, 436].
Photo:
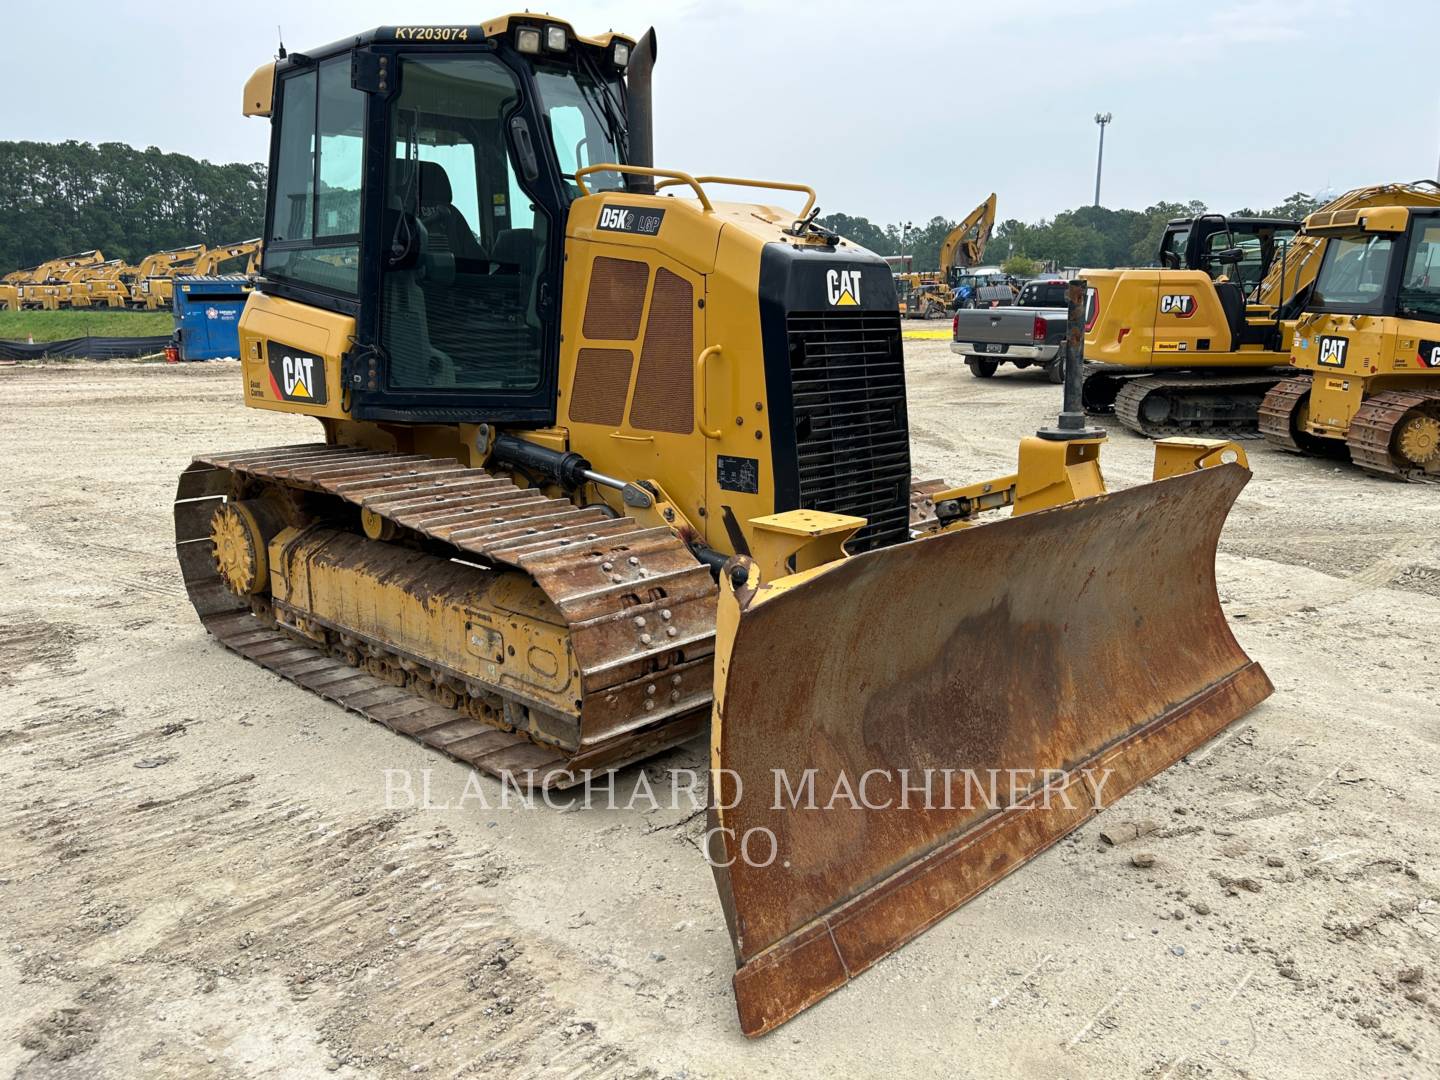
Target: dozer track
[638, 606]
[1373, 428]
[1371, 439]
[1160, 405]
[1277, 415]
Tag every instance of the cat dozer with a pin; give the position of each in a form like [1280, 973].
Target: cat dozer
[1192, 348]
[1368, 347]
[576, 413]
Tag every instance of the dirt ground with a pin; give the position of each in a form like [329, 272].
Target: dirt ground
[200, 877]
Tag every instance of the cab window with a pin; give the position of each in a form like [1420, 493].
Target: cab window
[1352, 274]
[1420, 286]
[466, 247]
[313, 236]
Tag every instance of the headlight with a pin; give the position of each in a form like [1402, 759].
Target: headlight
[620, 53]
[527, 39]
[555, 39]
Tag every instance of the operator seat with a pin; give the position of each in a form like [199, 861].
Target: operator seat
[445, 224]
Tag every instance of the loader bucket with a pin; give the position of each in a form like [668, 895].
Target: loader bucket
[1050, 662]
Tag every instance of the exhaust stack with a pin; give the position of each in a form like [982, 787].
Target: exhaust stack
[640, 118]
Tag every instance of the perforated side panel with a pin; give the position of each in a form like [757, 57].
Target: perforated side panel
[665, 388]
[616, 299]
[602, 377]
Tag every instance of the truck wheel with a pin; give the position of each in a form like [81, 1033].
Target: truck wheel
[1056, 370]
[982, 369]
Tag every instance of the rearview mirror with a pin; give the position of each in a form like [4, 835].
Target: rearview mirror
[1228, 255]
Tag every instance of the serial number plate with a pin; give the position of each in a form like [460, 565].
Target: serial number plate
[432, 33]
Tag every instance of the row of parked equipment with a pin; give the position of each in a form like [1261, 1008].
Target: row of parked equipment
[89, 280]
[1323, 336]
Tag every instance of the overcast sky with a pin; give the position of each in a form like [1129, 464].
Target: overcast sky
[890, 111]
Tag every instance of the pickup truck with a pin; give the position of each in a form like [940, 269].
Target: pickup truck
[1031, 333]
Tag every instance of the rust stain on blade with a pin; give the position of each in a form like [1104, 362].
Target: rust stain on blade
[959, 703]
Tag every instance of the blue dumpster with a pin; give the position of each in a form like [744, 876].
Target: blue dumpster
[207, 315]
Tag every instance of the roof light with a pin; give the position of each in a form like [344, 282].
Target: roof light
[527, 39]
[620, 53]
[555, 39]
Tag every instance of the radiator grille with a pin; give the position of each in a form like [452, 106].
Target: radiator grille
[602, 379]
[664, 398]
[616, 299]
[851, 432]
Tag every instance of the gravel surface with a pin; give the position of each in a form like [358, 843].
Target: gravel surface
[200, 875]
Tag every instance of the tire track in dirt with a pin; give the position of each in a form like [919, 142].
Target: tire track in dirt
[385, 943]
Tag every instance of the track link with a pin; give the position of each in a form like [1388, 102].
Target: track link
[1238, 421]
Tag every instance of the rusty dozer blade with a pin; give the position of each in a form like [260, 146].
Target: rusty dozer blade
[1050, 662]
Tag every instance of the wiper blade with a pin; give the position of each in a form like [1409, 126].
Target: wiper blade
[598, 93]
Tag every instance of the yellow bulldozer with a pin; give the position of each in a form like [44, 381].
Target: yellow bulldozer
[1194, 346]
[1369, 344]
[606, 463]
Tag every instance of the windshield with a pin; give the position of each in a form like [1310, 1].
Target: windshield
[1352, 274]
[1420, 286]
[1258, 245]
[1042, 294]
[586, 117]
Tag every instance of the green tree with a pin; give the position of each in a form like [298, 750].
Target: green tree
[1022, 266]
[71, 196]
[860, 230]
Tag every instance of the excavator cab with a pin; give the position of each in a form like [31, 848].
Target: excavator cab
[1239, 249]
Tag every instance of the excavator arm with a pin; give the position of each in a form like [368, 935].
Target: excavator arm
[965, 244]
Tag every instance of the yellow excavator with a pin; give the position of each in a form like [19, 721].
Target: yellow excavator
[213, 259]
[152, 285]
[605, 464]
[932, 296]
[1193, 346]
[1369, 345]
[101, 286]
[47, 287]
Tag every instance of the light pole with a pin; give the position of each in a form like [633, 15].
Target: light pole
[1102, 119]
[905, 227]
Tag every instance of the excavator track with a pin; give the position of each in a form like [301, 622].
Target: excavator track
[638, 605]
[1159, 405]
[1373, 429]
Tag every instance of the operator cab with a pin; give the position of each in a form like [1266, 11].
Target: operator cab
[1241, 249]
[1387, 263]
[422, 177]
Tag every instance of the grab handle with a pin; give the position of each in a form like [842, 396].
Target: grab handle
[702, 395]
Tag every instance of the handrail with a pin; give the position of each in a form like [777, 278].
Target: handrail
[702, 394]
[675, 177]
[778, 185]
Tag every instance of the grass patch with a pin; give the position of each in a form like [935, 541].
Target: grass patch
[58, 325]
